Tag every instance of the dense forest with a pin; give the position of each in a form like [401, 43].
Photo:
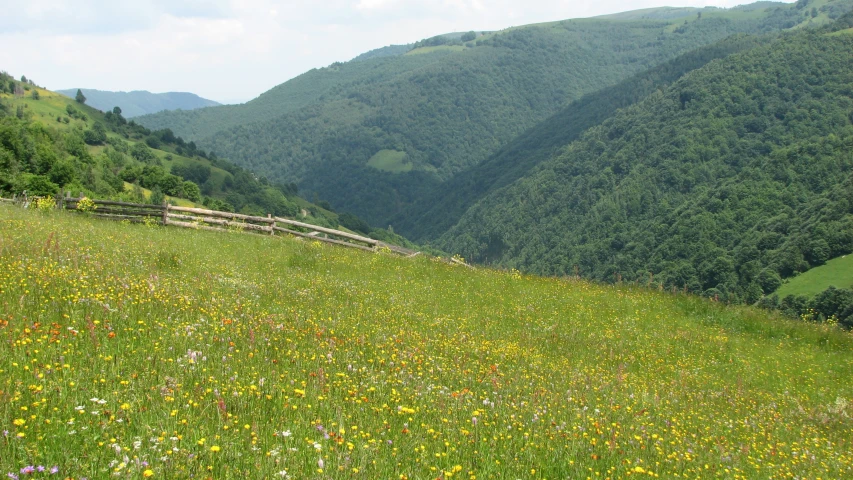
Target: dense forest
[731, 179]
[444, 106]
[445, 203]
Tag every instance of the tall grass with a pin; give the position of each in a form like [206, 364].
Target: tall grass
[137, 351]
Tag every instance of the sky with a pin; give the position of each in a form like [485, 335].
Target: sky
[233, 50]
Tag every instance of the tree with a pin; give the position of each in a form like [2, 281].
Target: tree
[35, 94]
[191, 191]
[116, 110]
[80, 98]
[96, 136]
[832, 302]
[157, 197]
[469, 36]
[38, 185]
[142, 153]
[354, 223]
[61, 173]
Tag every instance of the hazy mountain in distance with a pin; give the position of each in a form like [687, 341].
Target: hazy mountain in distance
[141, 102]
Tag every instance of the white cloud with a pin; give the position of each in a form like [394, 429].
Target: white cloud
[236, 49]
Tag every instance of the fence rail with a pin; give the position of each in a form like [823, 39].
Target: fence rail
[213, 220]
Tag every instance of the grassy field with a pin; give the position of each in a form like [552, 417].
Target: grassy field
[390, 161]
[140, 351]
[837, 272]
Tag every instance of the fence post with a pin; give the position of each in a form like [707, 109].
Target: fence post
[272, 224]
[165, 213]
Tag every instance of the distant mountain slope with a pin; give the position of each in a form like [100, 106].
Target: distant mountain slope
[737, 175]
[316, 85]
[445, 204]
[140, 102]
[664, 13]
[443, 107]
[389, 51]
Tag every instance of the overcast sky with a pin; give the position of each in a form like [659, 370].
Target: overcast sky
[233, 50]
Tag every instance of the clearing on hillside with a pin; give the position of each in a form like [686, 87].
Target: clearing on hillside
[837, 272]
[390, 161]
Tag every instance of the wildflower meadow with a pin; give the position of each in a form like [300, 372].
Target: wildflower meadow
[136, 351]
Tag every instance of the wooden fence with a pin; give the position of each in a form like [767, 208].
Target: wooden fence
[202, 219]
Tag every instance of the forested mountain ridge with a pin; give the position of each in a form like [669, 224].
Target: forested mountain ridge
[446, 202]
[312, 86]
[442, 107]
[140, 102]
[734, 177]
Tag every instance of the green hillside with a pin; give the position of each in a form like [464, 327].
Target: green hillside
[447, 202]
[447, 109]
[131, 351]
[136, 103]
[735, 176]
[50, 143]
[837, 272]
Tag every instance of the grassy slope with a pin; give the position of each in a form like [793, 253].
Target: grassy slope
[837, 272]
[195, 352]
[51, 105]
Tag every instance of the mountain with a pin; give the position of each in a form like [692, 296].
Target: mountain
[140, 102]
[376, 136]
[447, 202]
[735, 176]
